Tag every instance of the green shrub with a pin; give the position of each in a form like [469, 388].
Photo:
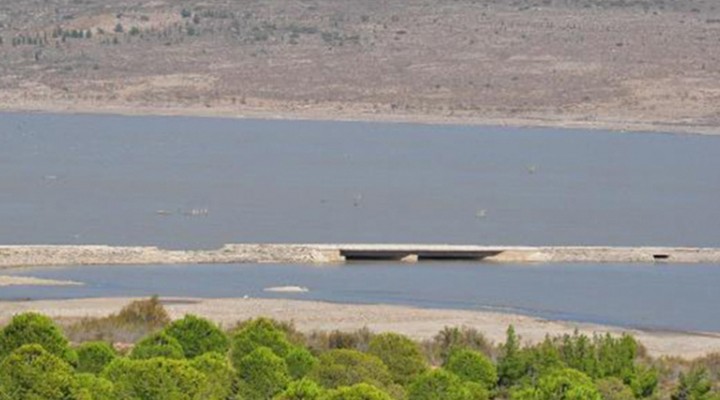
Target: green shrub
[476, 391]
[349, 367]
[31, 372]
[695, 385]
[155, 379]
[94, 356]
[614, 389]
[472, 366]
[401, 355]
[300, 362]
[438, 385]
[91, 387]
[361, 391]
[258, 333]
[198, 336]
[304, 389]
[32, 328]
[219, 373]
[157, 345]
[262, 375]
[561, 384]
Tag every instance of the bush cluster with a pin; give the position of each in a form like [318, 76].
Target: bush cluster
[261, 359]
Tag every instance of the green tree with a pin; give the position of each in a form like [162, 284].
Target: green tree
[258, 333]
[344, 367]
[91, 387]
[219, 373]
[94, 356]
[31, 372]
[157, 345]
[361, 391]
[643, 381]
[561, 384]
[401, 355]
[155, 379]
[510, 363]
[304, 389]
[33, 328]
[262, 375]
[472, 366]
[198, 336]
[300, 362]
[438, 385]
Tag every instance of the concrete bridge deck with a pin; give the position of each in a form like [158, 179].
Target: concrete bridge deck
[17, 256]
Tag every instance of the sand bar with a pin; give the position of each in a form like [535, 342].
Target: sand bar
[34, 255]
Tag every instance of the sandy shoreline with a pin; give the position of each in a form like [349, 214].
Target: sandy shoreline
[415, 322]
[31, 281]
[348, 113]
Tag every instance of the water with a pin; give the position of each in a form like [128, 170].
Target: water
[674, 297]
[134, 180]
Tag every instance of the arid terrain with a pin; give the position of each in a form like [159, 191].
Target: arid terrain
[618, 64]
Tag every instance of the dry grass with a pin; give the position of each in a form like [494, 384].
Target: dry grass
[134, 321]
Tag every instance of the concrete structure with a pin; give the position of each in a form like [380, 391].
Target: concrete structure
[18, 256]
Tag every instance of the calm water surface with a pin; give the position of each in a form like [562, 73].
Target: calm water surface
[678, 297]
[134, 180]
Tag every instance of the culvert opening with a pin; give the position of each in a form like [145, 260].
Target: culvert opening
[373, 255]
[456, 256]
[661, 257]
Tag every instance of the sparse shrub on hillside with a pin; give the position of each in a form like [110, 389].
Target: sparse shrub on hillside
[33, 328]
[94, 356]
[401, 355]
[119, 28]
[31, 372]
[198, 336]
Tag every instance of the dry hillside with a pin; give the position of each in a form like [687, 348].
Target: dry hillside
[624, 64]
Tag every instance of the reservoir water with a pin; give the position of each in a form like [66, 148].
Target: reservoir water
[674, 297]
[199, 183]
